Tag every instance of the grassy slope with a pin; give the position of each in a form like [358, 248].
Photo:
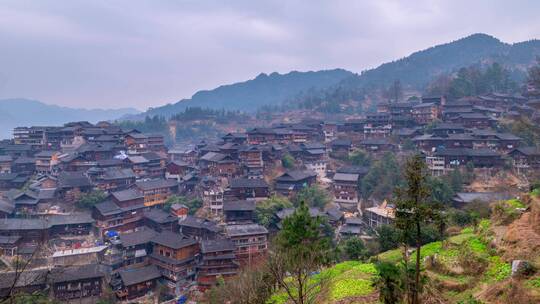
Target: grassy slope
[352, 279]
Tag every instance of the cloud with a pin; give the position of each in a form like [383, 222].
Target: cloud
[147, 53]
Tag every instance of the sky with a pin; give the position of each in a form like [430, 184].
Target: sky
[131, 53]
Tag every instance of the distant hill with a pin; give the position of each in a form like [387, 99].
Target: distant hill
[24, 112]
[263, 90]
[414, 71]
[420, 68]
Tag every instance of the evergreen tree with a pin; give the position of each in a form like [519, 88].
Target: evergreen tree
[301, 248]
[414, 210]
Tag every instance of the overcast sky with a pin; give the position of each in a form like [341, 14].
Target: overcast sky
[147, 53]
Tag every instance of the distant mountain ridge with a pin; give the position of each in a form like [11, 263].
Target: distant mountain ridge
[24, 112]
[415, 71]
[263, 90]
[419, 68]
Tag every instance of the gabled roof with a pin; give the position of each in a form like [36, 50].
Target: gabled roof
[23, 279]
[6, 207]
[108, 207]
[248, 183]
[341, 142]
[45, 154]
[173, 240]
[528, 151]
[75, 273]
[235, 135]
[375, 141]
[137, 159]
[353, 170]
[313, 212]
[127, 195]
[159, 216]
[239, 206]
[150, 156]
[313, 146]
[473, 116]
[218, 245]
[139, 237]
[139, 275]
[296, 175]
[116, 173]
[6, 158]
[73, 180]
[199, 223]
[346, 177]
[467, 152]
[156, 184]
[246, 229]
[213, 157]
[25, 160]
[71, 219]
[334, 214]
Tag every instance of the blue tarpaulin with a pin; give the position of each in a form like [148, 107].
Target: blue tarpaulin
[111, 233]
[182, 300]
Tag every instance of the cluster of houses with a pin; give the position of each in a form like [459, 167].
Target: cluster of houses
[134, 240]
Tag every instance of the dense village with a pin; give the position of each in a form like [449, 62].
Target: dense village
[93, 211]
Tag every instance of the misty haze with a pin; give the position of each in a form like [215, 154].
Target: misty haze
[270, 152]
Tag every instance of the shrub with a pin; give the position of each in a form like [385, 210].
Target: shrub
[469, 260]
[498, 269]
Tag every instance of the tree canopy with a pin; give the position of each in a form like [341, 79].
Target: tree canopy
[313, 196]
[89, 200]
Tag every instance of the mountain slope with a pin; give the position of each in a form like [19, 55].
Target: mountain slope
[415, 71]
[24, 112]
[249, 95]
[418, 69]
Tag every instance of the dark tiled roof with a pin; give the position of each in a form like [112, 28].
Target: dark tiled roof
[213, 157]
[152, 156]
[156, 183]
[334, 214]
[72, 219]
[529, 151]
[5, 158]
[159, 216]
[139, 275]
[45, 154]
[376, 141]
[11, 239]
[296, 175]
[249, 183]
[114, 173]
[23, 279]
[108, 207]
[137, 238]
[173, 240]
[75, 273]
[22, 224]
[353, 170]
[73, 180]
[127, 195]
[313, 211]
[341, 142]
[200, 223]
[217, 245]
[6, 206]
[239, 206]
[25, 160]
[247, 229]
[137, 159]
[346, 177]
